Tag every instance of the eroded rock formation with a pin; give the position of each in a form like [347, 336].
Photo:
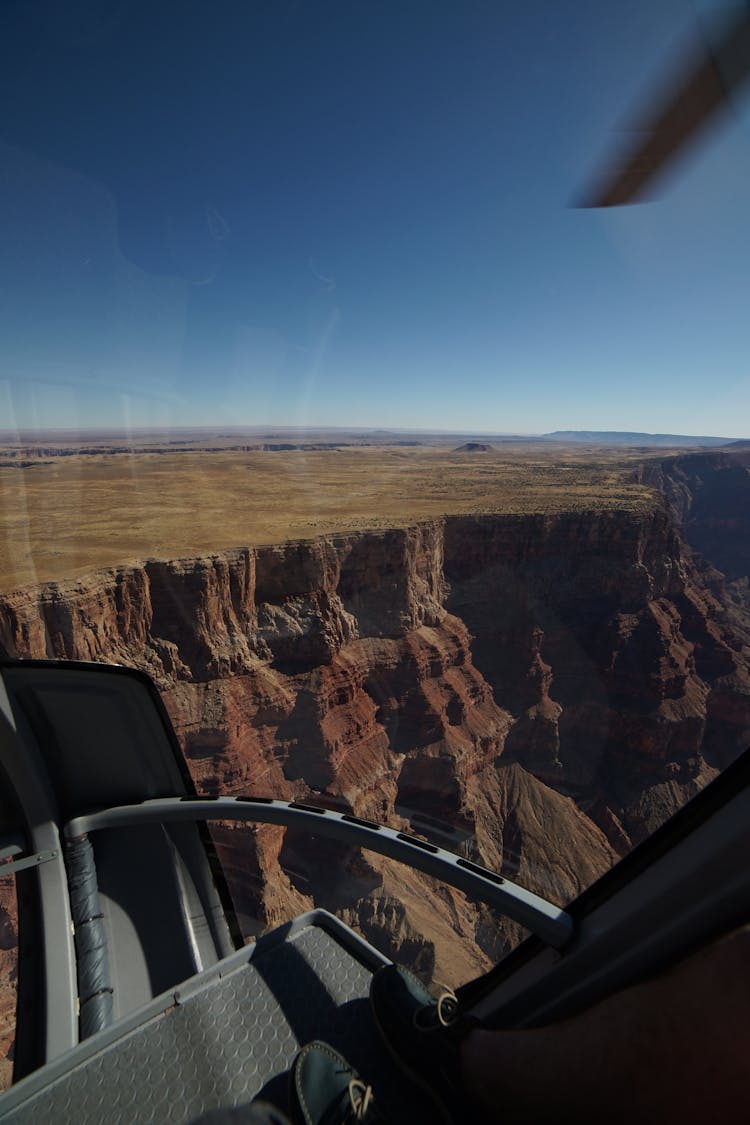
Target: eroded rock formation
[538, 691]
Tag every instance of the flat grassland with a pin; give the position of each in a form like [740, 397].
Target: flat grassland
[62, 516]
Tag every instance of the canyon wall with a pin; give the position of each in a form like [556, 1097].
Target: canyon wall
[709, 497]
[539, 692]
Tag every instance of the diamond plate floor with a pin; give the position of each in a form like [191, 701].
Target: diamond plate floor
[227, 1042]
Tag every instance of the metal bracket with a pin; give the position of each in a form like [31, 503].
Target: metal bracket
[27, 861]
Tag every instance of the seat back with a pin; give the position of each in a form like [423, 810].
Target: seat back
[94, 736]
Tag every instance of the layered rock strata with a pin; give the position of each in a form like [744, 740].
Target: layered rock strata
[538, 692]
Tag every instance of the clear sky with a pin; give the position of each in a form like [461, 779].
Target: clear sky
[357, 213]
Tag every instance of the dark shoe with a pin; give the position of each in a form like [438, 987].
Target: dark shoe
[423, 1035]
[325, 1090]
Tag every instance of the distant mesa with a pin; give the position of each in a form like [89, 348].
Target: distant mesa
[19, 464]
[473, 447]
[628, 437]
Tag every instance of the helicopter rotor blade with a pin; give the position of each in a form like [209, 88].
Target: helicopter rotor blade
[695, 100]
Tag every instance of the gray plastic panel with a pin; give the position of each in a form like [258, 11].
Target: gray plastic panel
[230, 1036]
[74, 736]
[57, 986]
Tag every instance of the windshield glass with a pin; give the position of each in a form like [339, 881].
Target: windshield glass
[418, 489]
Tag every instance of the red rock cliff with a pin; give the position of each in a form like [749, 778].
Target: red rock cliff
[549, 687]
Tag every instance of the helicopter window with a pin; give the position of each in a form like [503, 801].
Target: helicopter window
[275, 874]
[417, 485]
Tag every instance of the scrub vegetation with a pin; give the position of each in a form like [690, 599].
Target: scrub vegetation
[65, 513]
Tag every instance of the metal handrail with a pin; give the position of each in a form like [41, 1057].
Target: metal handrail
[551, 923]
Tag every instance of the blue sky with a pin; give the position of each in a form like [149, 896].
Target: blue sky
[358, 214]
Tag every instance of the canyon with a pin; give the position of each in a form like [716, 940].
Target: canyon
[537, 691]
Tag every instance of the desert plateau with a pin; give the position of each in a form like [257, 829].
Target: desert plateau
[532, 653]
